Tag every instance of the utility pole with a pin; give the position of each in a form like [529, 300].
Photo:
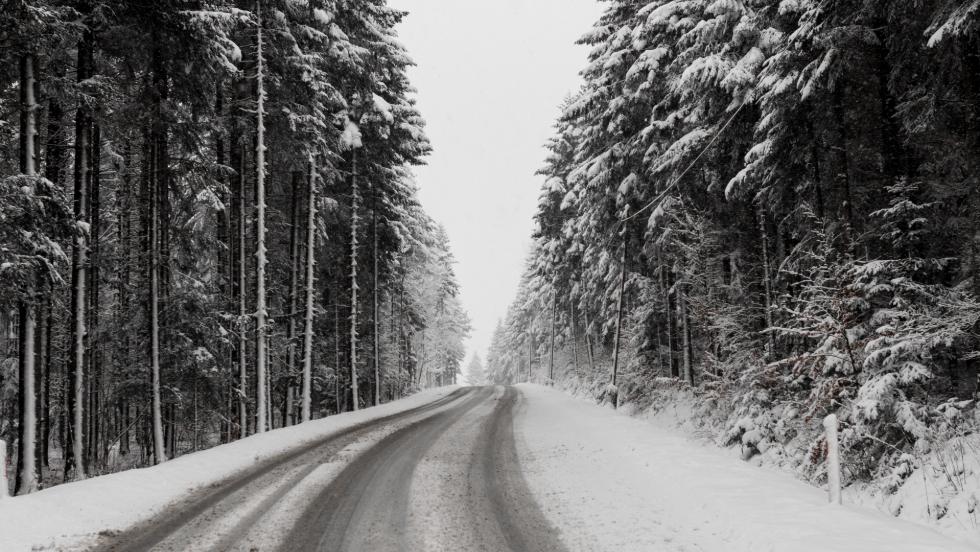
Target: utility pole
[619, 316]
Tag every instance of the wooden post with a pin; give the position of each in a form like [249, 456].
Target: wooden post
[833, 459]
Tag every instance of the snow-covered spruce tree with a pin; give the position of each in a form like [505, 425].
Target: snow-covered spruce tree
[498, 369]
[440, 342]
[920, 334]
[783, 170]
[34, 221]
[475, 373]
[168, 135]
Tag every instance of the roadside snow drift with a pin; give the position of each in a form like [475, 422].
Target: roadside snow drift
[611, 482]
[65, 516]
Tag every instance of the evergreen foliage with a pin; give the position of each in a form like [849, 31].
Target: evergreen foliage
[145, 196]
[796, 184]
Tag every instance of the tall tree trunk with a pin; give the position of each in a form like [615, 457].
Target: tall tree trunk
[27, 481]
[402, 344]
[194, 414]
[260, 309]
[685, 322]
[554, 324]
[663, 367]
[159, 452]
[226, 262]
[96, 382]
[123, 208]
[142, 256]
[767, 286]
[393, 344]
[40, 359]
[666, 284]
[374, 290]
[74, 461]
[310, 293]
[158, 198]
[45, 428]
[355, 199]
[844, 172]
[294, 268]
[53, 159]
[894, 161]
[530, 352]
[242, 307]
[588, 342]
[573, 321]
[161, 196]
[337, 370]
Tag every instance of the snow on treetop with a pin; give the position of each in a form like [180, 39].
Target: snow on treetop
[322, 16]
[350, 138]
[383, 108]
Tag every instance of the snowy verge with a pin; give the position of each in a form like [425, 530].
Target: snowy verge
[66, 514]
[611, 482]
[939, 488]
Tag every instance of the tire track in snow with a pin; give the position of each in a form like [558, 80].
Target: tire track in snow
[449, 482]
[366, 506]
[208, 507]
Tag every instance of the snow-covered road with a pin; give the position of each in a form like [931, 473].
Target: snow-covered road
[450, 482]
[78, 516]
[522, 468]
[445, 476]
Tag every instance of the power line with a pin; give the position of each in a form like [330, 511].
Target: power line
[660, 197]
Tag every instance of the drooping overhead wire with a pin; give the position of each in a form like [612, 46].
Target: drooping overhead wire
[673, 184]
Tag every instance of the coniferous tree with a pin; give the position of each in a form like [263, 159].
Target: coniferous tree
[165, 142]
[783, 263]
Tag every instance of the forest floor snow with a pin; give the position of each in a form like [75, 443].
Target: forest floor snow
[69, 515]
[612, 482]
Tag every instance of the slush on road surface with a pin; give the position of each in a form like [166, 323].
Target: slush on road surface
[522, 468]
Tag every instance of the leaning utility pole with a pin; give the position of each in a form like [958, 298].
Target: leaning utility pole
[619, 314]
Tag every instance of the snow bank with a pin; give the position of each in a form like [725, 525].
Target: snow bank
[940, 488]
[64, 516]
[611, 482]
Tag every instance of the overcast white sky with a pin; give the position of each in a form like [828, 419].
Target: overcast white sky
[490, 78]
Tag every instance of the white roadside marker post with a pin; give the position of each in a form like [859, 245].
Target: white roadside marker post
[833, 459]
[3, 469]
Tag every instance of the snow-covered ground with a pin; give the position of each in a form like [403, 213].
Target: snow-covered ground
[65, 515]
[612, 482]
[940, 488]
